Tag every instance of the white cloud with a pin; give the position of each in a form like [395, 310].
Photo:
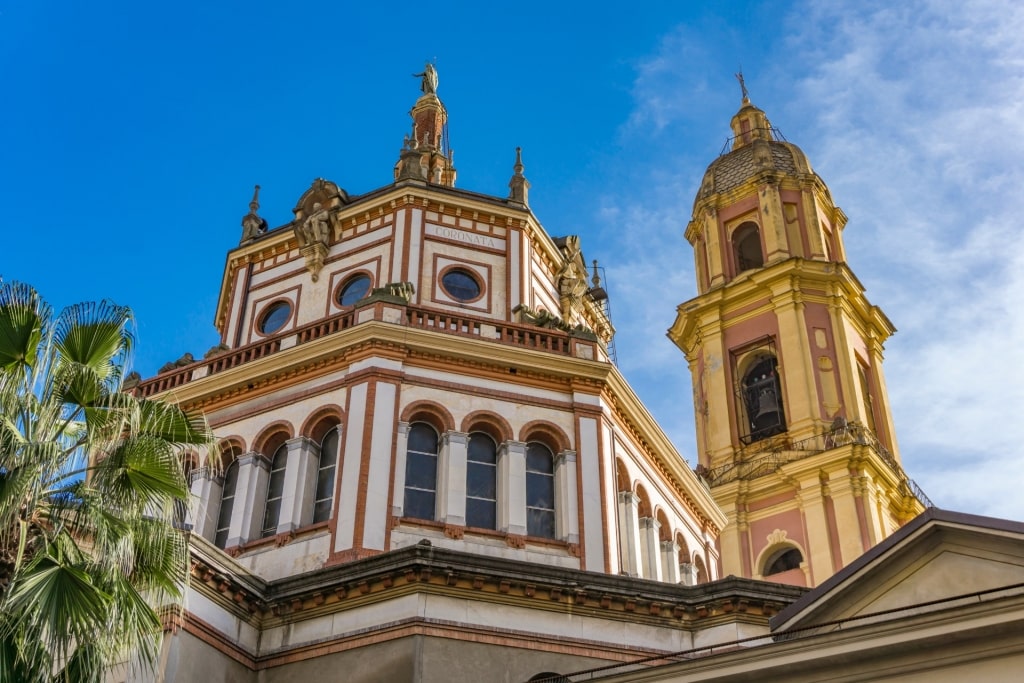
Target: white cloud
[912, 114]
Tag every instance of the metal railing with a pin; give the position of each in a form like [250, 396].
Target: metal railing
[779, 452]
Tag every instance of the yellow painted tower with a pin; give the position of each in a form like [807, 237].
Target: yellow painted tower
[794, 431]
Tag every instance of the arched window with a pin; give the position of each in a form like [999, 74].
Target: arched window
[481, 482]
[227, 503]
[326, 470]
[762, 398]
[275, 491]
[421, 472]
[687, 572]
[865, 394]
[746, 243]
[700, 570]
[540, 491]
[783, 560]
[188, 465]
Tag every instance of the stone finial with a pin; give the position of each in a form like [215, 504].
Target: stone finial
[252, 225]
[519, 186]
[595, 281]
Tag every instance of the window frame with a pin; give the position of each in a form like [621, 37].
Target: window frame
[412, 455]
[533, 509]
[320, 467]
[484, 467]
[348, 282]
[269, 309]
[276, 470]
[230, 476]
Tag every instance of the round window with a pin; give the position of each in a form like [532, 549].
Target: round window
[460, 285]
[275, 316]
[353, 290]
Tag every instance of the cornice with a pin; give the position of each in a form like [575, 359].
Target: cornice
[765, 288]
[426, 569]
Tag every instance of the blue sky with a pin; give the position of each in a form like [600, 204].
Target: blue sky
[131, 136]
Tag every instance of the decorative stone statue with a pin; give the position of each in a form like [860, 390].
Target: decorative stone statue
[428, 84]
[316, 227]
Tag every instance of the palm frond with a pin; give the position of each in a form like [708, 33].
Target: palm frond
[23, 314]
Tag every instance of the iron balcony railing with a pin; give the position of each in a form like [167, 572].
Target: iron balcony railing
[780, 452]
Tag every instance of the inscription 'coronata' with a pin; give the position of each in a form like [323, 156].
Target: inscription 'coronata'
[467, 237]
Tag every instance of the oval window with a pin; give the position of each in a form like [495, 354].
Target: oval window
[275, 316]
[353, 290]
[460, 285]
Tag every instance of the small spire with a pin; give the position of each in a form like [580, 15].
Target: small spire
[519, 186]
[252, 225]
[743, 86]
[254, 205]
[596, 280]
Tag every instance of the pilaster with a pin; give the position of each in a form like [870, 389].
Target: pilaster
[629, 533]
[299, 484]
[205, 493]
[819, 544]
[650, 548]
[512, 487]
[670, 562]
[845, 493]
[567, 520]
[250, 498]
[401, 452]
[451, 478]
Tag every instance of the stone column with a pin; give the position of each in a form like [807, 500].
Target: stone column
[669, 562]
[512, 487]
[204, 506]
[650, 550]
[567, 520]
[629, 533]
[250, 498]
[401, 449]
[451, 478]
[299, 484]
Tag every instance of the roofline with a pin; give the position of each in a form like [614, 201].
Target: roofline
[929, 517]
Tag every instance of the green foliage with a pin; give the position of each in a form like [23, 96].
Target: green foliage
[89, 482]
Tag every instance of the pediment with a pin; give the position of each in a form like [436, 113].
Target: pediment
[937, 557]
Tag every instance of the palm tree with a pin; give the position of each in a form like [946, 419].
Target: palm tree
[90, 478]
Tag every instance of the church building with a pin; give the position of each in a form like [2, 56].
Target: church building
[431, 469]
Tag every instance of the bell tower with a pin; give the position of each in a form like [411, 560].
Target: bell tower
[794, 432]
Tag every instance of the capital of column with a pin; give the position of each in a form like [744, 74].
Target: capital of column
[565, 456]
[451, 437]
[254, 459]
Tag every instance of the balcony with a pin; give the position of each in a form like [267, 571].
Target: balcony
[784, 452]
[499, 332]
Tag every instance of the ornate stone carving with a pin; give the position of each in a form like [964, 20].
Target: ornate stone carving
[394, 292]
[313, 235]
[544, 318]
[252, 225]
[777, 537]
[316, 227]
